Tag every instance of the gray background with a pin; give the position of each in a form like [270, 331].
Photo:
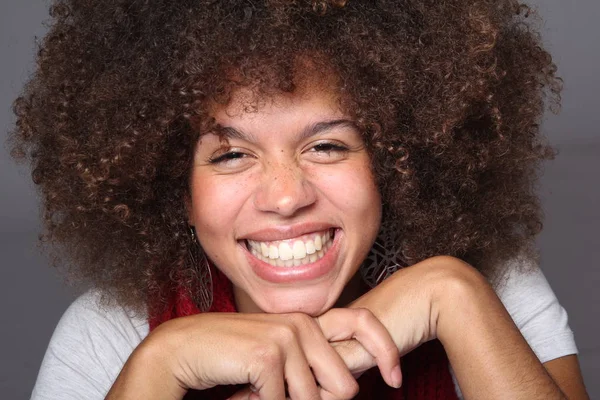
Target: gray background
[33, 296]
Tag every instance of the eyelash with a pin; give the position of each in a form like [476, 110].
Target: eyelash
[230, 156]
[328, 147]
[324, 147]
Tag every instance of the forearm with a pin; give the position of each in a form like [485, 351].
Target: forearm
[145, 376]
[489, 356]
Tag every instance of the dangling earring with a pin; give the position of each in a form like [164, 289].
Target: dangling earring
[202, 295]
[384, 259]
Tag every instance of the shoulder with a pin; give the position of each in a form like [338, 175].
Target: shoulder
[89, 346]
[534, 308]
[90, 315]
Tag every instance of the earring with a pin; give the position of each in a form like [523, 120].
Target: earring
[202, 295]
[384, 259]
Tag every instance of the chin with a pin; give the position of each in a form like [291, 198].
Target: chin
[304, 300]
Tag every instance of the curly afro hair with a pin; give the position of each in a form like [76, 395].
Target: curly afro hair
[448, 95]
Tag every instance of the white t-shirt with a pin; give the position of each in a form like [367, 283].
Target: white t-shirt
[91, 343]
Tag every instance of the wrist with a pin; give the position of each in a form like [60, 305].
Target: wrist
[489, 356]
[450, 286]
[459, 294]
[148, 373]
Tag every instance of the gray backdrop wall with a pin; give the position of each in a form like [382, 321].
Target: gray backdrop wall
[33, 296]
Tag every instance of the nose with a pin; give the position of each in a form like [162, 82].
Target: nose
[284, 190]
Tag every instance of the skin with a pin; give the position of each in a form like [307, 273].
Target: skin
[297, 166]
[274, 182]
[489, 356]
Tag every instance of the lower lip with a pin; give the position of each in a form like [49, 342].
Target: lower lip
[298, 273]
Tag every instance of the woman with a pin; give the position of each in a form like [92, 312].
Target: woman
[275, 159]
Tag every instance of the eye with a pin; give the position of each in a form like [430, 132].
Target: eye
[231, 160]
[328, 147]
[230, 156]
[327, 151]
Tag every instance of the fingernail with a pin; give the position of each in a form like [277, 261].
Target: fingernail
[396, 377]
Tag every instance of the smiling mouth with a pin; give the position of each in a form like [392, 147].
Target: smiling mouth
[302, 250]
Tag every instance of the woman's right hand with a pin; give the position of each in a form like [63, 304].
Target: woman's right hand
[269, 352]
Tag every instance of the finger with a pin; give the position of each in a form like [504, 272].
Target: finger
[295, 367]
[363, 326]
[356, 358]
[299, 376]
[243, 394]
[332, 374]
[266, 374]
[325, 395]
[328, 368]
[272, 389]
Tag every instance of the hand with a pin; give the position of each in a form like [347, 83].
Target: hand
[268, 351]
[445, 298]
[405, 303]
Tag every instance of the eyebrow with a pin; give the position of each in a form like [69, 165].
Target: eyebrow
[311, 130]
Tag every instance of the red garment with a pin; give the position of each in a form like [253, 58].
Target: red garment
[425, 370]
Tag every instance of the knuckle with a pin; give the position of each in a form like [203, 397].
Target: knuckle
[391, 350]
[364, 316]
[285, 334]
[348, 390]
[269, 355]
[300, 320]
[299, 323]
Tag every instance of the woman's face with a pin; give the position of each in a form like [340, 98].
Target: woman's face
[286, 206]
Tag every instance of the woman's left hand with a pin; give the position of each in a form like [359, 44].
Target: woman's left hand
[445, 298]
[404, 303]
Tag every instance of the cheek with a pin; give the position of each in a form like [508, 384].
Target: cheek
[216, 202]
[353, 190]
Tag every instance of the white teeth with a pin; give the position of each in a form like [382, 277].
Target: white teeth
[310, 247]
[318, 243]
[273, 252]
[285, 252]
[299, 250]
[264, 249]
[289, 253]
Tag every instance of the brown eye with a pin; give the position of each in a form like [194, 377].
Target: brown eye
[230, 156]
[327, 152]
[328, 147]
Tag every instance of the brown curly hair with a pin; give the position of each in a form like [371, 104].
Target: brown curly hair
[448, 95]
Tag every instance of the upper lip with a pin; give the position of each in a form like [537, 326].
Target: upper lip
[283, 232]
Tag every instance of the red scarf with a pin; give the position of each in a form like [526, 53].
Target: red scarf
[425, 370]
